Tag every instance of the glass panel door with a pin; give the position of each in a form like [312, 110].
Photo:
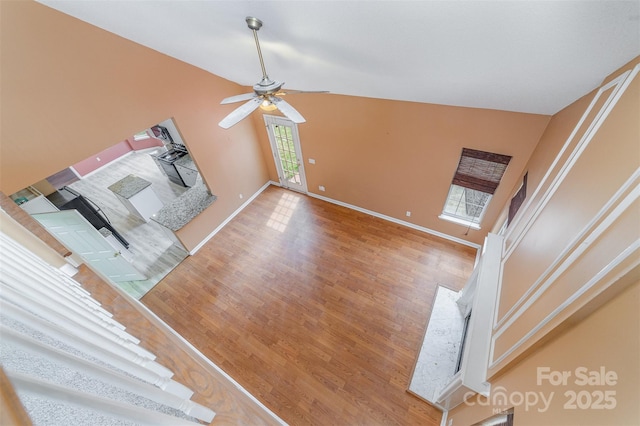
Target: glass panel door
[285, 145]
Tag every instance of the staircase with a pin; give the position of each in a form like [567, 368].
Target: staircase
[70, 362]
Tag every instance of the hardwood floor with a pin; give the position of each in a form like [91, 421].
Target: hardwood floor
[317, 310]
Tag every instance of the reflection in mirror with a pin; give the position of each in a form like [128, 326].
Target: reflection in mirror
[117, 189]
[503, 419]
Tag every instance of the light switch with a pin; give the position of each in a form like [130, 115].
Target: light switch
[312, 161]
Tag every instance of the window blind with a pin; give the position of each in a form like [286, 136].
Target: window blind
[480, 170]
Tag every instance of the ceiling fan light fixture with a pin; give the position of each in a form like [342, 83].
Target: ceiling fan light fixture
[267, 105]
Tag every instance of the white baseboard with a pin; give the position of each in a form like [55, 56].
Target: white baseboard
[115, 160]
[110, 163]
[340, 203]
[398, 221]
[228, 219]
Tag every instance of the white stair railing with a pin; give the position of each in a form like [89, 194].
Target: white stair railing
[109, 407]
[49, 302]
[35, 293]
[117, 356]
[41, 284]
[106, 375]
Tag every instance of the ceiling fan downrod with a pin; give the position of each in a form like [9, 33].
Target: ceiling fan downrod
[254, 25]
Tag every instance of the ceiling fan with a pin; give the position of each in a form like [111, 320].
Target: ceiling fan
[265, 93]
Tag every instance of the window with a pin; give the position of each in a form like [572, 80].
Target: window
[141, 135]
[517, 200]
[476, 179]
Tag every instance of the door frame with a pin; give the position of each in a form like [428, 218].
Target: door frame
[277, 120]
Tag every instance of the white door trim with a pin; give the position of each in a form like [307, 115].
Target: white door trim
[270, 120]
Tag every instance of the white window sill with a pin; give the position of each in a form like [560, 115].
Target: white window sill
[462, 222]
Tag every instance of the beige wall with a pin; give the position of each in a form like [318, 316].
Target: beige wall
[70, 90]
[577, 220]
[391, 156]
[590, 224]
[608, 338]
[555, 135]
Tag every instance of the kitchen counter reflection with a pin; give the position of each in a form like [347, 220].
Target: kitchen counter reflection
[186, 162]
[183, 209]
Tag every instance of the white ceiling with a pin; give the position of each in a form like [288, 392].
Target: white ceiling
[526, 56]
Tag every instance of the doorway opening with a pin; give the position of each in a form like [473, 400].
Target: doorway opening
[285, 145]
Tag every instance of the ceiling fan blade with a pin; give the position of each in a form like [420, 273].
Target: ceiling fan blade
[287, 109]
[293, 92]
[240, 113]
[238, 98]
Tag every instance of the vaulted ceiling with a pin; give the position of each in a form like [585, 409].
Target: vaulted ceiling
[526, 56]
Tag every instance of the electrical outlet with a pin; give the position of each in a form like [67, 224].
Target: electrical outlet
[408, 213]
[241, 196]
[321, 188]
[312, 161]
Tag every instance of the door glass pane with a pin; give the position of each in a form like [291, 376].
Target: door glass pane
[287, 153]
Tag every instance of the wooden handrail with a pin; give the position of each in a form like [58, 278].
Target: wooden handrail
[12, 413]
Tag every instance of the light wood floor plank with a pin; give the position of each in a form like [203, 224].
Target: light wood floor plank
[317, 310]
